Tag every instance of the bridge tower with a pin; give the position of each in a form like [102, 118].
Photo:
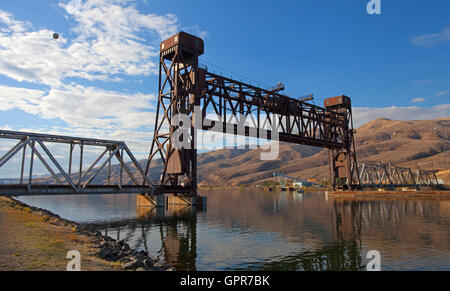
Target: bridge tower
[343, 163]
[178, 89]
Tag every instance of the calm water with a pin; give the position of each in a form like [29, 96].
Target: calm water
[256, 230]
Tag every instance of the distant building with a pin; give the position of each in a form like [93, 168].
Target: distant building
[298, 185]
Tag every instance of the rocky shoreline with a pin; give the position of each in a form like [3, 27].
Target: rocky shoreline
[109, 249]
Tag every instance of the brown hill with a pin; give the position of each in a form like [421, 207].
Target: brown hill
[417, 144]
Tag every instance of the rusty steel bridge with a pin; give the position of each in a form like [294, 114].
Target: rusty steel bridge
[188, 88]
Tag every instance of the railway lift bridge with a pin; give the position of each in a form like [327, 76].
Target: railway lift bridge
[188, 88]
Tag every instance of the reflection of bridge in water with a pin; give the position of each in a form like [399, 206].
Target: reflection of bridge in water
[176, 226]
[351, 220]
[339, 247]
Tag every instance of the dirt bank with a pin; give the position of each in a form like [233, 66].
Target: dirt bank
[36, 239]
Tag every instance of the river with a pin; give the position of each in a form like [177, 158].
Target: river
[251, 229]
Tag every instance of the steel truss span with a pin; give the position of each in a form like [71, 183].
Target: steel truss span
[62, 182]
[186, 88]
[389, 175]
[295, 121]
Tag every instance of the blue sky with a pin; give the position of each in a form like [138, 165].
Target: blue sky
[100, 80]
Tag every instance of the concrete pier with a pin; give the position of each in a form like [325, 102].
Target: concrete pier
[169, 199]
[190, 201]
[168, 212]
[150, 200]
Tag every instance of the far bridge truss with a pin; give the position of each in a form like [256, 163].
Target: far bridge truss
[389, 175]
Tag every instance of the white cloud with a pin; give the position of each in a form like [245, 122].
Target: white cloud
[362, 115]
[91, 107]
[442, 93]
[418, 100]
[112, 38]
[80, 106]
[12, 25]
[20, 98]
[117, 18]
[431, 40]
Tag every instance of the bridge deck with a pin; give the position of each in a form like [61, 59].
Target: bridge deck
[54, 190]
